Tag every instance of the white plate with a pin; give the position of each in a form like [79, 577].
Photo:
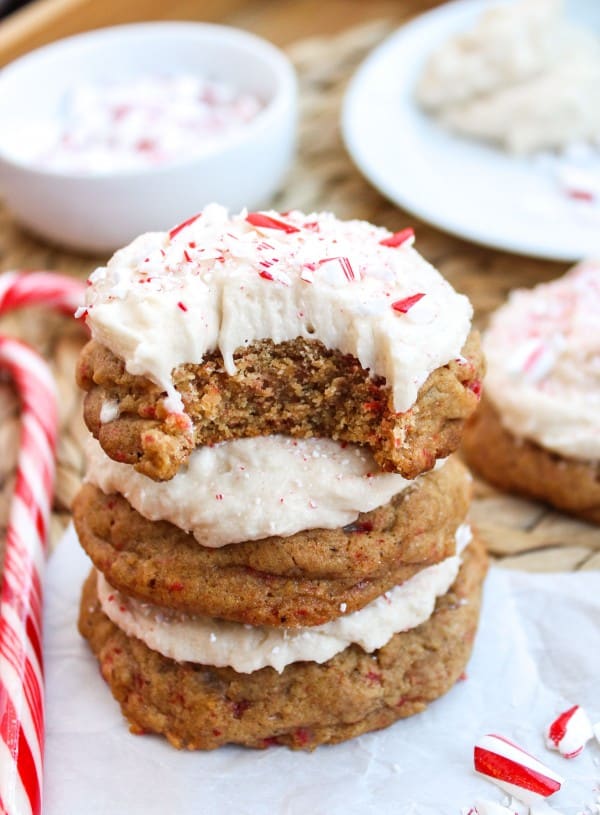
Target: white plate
[459, 185]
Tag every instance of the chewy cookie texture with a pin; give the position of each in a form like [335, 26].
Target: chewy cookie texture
[201, 707]
[273, 329]
[524, 467]
[253, 324]
[297, 388]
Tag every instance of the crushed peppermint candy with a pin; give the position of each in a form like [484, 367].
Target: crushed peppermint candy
[405, 305]
[177, 229]
[405, 237]
[136, 123]
[345, 266]
[569, 732]
[265, 221]
[515, 771]
[576, 175]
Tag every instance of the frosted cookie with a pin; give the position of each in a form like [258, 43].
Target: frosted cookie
[302, 704]
[522, 77]
[538, 432]
[306, 578]
[257, 324]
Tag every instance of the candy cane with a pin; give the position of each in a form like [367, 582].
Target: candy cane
[21, 671]
[19, 289]
[514, 770]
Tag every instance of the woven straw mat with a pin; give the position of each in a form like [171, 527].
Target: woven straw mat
[519, 533]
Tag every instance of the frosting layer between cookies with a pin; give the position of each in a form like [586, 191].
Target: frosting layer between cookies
[248, 489]
[543, 354]
[248, 648]
[221, 282]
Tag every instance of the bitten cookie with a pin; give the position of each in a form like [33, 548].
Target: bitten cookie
[199, 707]
[538, 432]
[304, 579]
[258, 324]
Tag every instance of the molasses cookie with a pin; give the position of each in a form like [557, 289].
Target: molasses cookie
[259, 324]
[538, 432]
[304, 579]
[306, 703]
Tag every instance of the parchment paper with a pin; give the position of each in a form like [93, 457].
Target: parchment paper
[537, 652]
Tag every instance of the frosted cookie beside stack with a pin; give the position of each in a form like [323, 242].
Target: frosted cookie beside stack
[281, 548]
[538, 429]
[523, 76]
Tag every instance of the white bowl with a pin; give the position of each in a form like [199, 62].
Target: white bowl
[103, 212]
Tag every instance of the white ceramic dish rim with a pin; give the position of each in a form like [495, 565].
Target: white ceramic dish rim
[283, 73]
[450, 16]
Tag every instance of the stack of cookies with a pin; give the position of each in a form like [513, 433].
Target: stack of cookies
[279, 537]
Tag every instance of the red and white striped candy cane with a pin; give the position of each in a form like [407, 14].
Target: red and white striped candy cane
[21, 669]
[515, 771]
[18, 289]
[569, 732]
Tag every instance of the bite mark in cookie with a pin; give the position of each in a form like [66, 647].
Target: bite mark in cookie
[296, 388]
[257, 324]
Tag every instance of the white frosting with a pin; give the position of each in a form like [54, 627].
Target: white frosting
[543, 354]
[521, 77]
[222, 283]
[249, 489]
[248, 648]
[109, 411]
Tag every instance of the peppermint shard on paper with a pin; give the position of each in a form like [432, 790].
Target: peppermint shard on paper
[515, 771]
[279, 535]
[570, 732]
